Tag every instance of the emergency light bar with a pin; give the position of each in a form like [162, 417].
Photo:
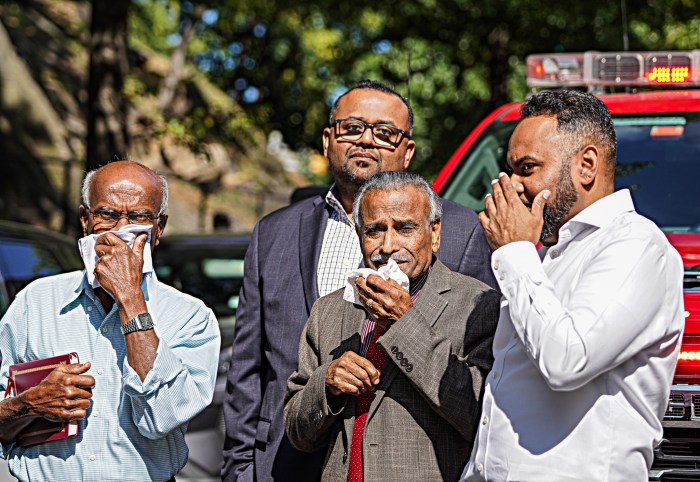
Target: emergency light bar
[593, 69]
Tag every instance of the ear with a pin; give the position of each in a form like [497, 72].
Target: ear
[410, 150]
[160, 228]
[84, 221]
[435, 236]
[326, 141]
[587, 165]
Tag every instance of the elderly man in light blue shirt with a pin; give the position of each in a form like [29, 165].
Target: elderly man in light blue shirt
[150, 352]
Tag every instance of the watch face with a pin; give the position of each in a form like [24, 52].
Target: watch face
[146, 321]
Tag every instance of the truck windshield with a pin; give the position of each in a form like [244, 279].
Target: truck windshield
[658, 160]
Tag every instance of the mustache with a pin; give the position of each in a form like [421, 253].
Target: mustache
[386, 257]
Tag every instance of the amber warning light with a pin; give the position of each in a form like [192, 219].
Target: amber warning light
[594, 69]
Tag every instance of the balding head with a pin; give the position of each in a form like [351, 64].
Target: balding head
[128, 170]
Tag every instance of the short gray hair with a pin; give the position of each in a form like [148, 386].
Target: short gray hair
[87, 184]
[396, 181]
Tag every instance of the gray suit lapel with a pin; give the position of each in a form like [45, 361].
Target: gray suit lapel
[311, 229]
[430, 304]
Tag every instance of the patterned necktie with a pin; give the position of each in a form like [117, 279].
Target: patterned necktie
[378, 357]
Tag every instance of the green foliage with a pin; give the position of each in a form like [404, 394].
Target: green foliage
[285, 62]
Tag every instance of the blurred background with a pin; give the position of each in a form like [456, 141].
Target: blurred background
[228, 98]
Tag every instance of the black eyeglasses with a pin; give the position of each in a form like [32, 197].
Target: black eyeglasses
[109, 217]
[382, 134]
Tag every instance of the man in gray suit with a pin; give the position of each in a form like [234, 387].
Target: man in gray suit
[391, 387]
[300, 253]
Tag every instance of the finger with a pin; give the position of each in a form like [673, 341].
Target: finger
[498, 197]
[484, 220]
[360, 374]
[490, 206]
[109, 239]
[103, 250]
[539, 203]
[370, 369]
[139, 244]
[509, 192]
[78, 393]
[74, 368]
[377, 284]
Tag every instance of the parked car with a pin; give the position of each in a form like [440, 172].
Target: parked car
[208, 267]
[27, 253]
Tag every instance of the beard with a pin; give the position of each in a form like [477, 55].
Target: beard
[555, 212]
[350, 173]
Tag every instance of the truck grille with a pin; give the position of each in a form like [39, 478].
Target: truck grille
[676, 407]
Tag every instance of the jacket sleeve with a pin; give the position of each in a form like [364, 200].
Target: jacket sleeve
[307, 415]
[450, 380]
[243, 395]
[476, 260]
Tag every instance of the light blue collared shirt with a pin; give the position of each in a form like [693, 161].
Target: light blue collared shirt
[134, 430]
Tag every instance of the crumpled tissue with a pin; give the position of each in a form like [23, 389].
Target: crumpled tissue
[127, 234]
[390, 270]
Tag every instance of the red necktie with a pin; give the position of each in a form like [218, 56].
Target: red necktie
[377, 356]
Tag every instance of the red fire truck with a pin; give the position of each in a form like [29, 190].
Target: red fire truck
[657, 121]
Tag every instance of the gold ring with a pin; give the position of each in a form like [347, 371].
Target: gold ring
[370, 304]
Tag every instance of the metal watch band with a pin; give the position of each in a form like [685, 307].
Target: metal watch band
[140, 322]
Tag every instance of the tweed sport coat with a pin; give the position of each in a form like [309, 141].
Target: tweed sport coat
[279, 289]
[421, 424]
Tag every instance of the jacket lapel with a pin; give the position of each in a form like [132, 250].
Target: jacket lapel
[311, 229]
[430, 303]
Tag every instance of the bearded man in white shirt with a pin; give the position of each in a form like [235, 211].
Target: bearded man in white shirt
[590, 325]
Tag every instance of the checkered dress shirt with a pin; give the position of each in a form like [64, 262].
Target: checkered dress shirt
[340, 251]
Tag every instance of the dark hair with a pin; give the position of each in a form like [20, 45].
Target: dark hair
[379, 87]
[582, 116]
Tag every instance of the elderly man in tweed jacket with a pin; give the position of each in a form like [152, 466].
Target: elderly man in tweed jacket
[392, 386]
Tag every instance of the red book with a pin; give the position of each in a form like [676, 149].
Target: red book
[30, 374]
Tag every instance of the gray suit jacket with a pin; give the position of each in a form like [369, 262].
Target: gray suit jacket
[279, 289]
[421, 424]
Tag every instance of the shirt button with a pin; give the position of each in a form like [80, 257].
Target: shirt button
[496, 265]
[105, 329]
[95, 413]
[494, 375]
[93, 458]
[480, 468]
[502, 276]
[484, 420]
[100, 371]
[555, 253]
[89, 308]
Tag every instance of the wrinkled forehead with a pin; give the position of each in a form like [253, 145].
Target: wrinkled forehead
[128, 182]
[409, 203]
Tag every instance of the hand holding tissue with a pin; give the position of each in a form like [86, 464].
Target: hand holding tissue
[390, 270]
[127, 234]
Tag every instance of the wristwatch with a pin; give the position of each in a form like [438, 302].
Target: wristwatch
[141, 322]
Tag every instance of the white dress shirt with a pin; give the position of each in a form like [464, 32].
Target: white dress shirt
[340, 251]
[584, 351]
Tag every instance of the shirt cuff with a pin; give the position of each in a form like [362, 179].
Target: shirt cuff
[513, 261]
[166, 367]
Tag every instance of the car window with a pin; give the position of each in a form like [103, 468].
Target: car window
[657, 161]
[22, 261]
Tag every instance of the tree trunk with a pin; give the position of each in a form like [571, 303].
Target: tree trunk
[106, 111]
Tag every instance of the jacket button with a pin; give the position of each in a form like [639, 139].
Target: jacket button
[409, 368]
[404, 362]
[399, 356]
[394, 349]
